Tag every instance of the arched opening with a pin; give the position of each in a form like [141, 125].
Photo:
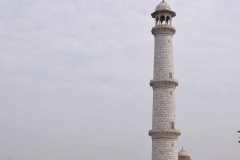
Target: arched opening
[162, 19]
[168, 20]
[157, 19]
[159, 22]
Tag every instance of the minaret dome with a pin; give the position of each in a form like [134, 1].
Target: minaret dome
[183, 155]
[163, 6]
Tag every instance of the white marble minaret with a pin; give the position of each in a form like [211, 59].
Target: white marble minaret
[164, 131]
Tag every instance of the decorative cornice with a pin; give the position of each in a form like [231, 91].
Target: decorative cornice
[163, 11]
[164, 83]
[163, 29]
[164, 134]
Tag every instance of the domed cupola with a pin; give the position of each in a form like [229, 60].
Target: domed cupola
[163, 17]
[183, 155]
[163, 7]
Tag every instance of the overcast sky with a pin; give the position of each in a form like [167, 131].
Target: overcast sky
[74, 78]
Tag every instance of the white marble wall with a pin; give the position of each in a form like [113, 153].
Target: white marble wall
[164, 105]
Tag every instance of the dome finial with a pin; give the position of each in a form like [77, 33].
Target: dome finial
[182, 147]
[163, 1]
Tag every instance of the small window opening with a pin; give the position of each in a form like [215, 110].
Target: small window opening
[170, 75]
[172, 125]
[170, 92]
[172, 144]
[169, 41]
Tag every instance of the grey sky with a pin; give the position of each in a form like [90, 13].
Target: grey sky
[74, 78]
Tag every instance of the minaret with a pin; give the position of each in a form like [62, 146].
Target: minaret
[164, 131]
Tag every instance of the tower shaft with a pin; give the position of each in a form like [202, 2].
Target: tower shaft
[164, 131]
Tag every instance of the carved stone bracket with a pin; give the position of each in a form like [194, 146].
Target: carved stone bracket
[165, 134]
[163, 29]
[164, 83]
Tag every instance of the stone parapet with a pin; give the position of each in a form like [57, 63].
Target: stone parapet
[163, 29]
[164, 83]
[164, 134]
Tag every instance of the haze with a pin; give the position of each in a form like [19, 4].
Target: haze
[74, 78]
